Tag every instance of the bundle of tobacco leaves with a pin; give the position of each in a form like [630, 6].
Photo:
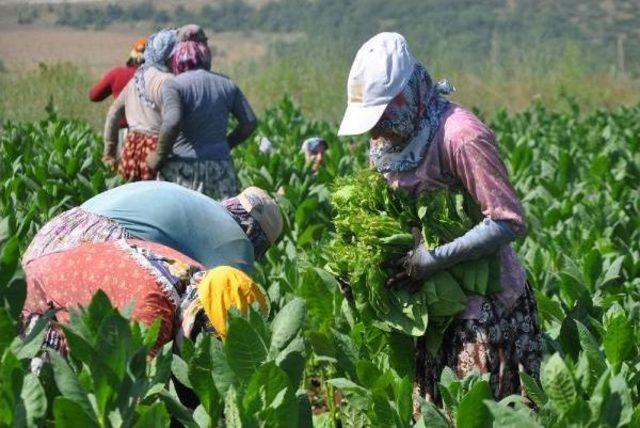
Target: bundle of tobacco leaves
[373, 225]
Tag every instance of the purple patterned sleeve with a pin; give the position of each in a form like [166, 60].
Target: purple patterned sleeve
[478, 166]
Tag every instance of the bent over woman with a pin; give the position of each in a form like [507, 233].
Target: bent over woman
[421, 142]
[162, 284]
[235, 232]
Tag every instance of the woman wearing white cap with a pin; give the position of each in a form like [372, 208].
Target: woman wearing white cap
[422, 142]
[233, 233]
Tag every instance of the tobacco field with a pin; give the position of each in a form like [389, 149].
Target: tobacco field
[317, 360]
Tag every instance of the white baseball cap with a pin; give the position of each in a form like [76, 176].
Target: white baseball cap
[382, 67]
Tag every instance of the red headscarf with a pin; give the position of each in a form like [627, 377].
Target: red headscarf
[190, 55]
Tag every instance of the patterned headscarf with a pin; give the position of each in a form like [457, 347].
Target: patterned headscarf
[225, 287]
[191, 55]
[249, 225]
[413, 115]
[311, 146]
[136, 56]
[158, 51]
[191, 32]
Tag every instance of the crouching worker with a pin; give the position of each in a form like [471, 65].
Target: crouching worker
[162, 283]
[313, 149]
[235, 232]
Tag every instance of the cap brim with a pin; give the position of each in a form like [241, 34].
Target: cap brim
[359, 119]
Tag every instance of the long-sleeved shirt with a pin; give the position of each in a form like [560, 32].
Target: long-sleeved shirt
[463, 156]
[112, 83]
[199, 103]
[179, 218]
[140, 116]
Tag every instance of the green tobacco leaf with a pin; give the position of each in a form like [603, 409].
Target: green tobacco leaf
[177, 409]
[444, 295]
[70, 387]
[432, 417]
[34, 398]
[357, 396]
[180, 370]
[206, 391]
[287, 324]
[232, 412]
[471, 411]
[223, 374]
[8, 330]
[244, 348]
[68, 413]
[368, 373]
[591, 348]
[533, 390]
[404, 400]
[270, 397]
[613, 271]
[619, 340]
[505, 417]
[305, 415]
[292, 360]
[152, 416]
[569, 338]
[558, 384]
[617, 407]
[31, 345]
[381, 414]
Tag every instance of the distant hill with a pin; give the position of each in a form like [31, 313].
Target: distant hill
[604, 34]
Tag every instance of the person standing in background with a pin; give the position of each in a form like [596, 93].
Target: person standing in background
[140, 101]
[194, 149]
[116, 79]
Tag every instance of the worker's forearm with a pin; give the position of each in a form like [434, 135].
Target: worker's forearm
[111, 128]
[485, 238]
[241, 133]
[171, 118]
[167, 137]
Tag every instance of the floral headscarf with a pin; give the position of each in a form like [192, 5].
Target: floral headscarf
[191, 55]
[191, 32]
[414, 115]
[158, 51]
[249, 225]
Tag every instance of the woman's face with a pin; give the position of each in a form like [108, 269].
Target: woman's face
[379, 134]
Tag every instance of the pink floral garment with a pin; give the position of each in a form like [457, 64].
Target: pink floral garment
[463, 156]
[67, 279]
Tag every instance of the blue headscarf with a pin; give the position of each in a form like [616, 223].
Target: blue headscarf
[157, 53]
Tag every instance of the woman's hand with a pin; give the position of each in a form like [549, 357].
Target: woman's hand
[416, 266]
[154, 161]
[110, 162]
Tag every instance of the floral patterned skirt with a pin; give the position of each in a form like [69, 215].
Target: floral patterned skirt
[215, 178]
[71, 229]
[151, 275]
[501, 344]
[133, 163]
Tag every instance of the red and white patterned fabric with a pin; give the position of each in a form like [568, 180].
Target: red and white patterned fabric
[69, 279]
[133, 163]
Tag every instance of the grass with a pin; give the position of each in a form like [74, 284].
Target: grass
[318, 84]
[25, 95]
